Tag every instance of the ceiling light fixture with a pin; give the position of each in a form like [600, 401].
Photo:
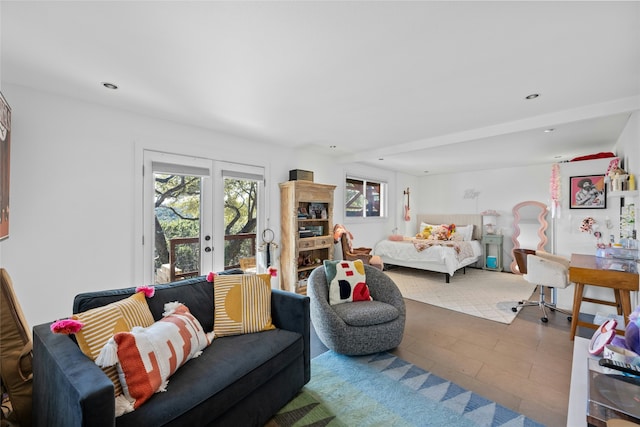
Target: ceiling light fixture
[532, 96]
[549, 130]
[332, 147]
[381, 158]
[110, 85]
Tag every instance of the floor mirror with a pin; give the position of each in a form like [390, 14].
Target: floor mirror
[529, 231]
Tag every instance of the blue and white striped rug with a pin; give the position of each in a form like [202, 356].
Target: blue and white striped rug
[384, 390]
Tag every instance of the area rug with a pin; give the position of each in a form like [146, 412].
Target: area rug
[384, 390]
[480, 293]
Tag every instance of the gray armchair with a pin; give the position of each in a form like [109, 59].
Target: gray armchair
[362, 327]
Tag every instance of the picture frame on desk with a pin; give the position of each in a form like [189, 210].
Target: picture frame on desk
[588, 192]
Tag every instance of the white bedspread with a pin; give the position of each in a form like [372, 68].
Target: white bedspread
[406, 252]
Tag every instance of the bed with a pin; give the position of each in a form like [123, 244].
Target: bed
[444, 257]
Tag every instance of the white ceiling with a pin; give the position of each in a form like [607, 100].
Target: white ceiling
[423, 85]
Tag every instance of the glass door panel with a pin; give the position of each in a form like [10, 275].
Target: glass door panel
[240, 222]
[177, 227]
[178, 219]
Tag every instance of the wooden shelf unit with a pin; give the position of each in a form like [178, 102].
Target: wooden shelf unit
[300, 255]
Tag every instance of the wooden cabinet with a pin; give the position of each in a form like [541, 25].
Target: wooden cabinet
[306, 231]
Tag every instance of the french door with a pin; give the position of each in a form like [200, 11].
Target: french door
[178, 217]
[200, 215]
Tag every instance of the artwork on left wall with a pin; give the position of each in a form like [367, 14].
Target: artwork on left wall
[5, 157]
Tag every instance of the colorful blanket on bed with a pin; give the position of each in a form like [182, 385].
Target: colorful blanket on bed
[463, 249]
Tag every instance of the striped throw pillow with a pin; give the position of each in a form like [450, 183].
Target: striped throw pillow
[242, 304]
[101, 323]
[147, 357]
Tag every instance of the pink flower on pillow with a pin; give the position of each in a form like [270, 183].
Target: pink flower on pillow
[66, 326]
[149, 291]
[211, 277]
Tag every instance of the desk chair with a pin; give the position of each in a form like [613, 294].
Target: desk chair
[545, 269]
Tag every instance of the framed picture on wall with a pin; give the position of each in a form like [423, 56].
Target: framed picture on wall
[588, 192]
[5, 155]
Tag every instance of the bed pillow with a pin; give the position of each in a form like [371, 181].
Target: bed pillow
[101, 323]
[242, 304]
[456, 237]
[466, 231]
[347, 281]
[147, 357]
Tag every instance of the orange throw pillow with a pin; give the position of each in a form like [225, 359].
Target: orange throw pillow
[147, 357]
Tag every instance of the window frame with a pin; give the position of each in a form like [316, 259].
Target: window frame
[382, 195]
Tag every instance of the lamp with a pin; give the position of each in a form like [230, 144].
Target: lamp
[489, 221]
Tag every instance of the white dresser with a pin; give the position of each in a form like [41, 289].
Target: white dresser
[577, 411]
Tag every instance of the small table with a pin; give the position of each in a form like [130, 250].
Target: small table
[591, 270]
[492, 239]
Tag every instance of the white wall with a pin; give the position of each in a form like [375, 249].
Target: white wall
[497, 189]
[569, 239]
[501, 189]
[366, 233]
[73, 198]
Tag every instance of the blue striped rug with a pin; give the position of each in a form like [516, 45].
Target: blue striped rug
[384, 390]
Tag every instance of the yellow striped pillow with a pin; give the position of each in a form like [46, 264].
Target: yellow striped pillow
[101, 323]
[242, 304]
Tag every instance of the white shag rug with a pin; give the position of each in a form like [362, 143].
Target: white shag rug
[480, 293]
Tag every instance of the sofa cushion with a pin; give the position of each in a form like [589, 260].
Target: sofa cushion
[101, 323]
[347, 281]
[366, 313]
[228, 371]
[147, 357]
[242, 304]
[196, 293]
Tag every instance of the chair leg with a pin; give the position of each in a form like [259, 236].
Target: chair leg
[543, 306]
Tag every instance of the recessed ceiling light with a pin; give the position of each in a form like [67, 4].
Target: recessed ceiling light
[332, 147]
[110, 85]
[549, 130]
[381, 158]
[532, 96]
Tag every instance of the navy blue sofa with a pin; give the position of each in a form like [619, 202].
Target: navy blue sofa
[238, 380]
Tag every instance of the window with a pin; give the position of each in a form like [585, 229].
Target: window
[365, 198]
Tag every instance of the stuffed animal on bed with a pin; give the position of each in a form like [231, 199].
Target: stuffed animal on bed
[437, 232]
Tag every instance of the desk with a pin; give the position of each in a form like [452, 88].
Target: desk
[594, 271]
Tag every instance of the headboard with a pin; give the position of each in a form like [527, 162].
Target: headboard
[458, 219]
